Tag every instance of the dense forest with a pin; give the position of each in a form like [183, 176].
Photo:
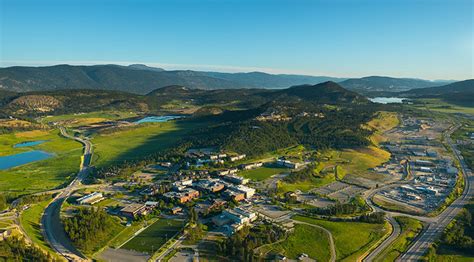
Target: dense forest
[16, 249]
[240, 245]
[90, 228]
[460, 234]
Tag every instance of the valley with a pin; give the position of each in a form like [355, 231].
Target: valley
[203, 178]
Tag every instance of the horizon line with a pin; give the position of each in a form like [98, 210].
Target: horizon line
[202, 67]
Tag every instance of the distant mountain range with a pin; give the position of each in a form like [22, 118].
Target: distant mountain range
[461, 92]
[142, 79]
[373, 84]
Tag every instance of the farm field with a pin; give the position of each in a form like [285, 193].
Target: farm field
[305, 239]
[352, 239]
[262, 173]
[410, 228]
[41, 175]
[152, 238]
[137, 142]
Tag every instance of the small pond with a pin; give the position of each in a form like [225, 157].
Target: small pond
[387, 100]
[156, 119]
[29, 143]
[19, 159]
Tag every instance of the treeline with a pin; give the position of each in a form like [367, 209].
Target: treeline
[90, 228]
[14, 248]
[460, 234]
[355, 206]
[240, 246]
[305, 174]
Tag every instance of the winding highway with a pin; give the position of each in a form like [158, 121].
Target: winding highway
[51, 226]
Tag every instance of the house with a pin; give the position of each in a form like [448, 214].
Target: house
[237, 157]
[134, 209]
[90, 198]
[176, 210]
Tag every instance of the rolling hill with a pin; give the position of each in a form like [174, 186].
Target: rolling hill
[83, 100]
[461, 93]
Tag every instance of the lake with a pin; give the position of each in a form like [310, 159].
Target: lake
[19, 159]
[156, 119]
[387, 100]
[29, 143]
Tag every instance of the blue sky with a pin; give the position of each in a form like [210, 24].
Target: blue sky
[429, 39]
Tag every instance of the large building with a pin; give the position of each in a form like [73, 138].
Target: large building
[134, 209]
[91, 198]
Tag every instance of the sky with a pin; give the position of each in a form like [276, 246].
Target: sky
[429, 39]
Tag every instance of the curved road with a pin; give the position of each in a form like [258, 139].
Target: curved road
[52, 228]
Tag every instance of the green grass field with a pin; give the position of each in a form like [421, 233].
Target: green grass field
[305, 185]
[41, 175]
[410, 228]
[152, 238]
[128, 232]
[305, 239]
[137, 142]
[262, 173]
[439, 105]
[87, 118]
[30, 222]
[352, 239]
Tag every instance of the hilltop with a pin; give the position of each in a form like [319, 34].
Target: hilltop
[70, 101]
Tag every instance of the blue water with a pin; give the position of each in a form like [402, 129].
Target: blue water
[387, 100]
[19, 159]
[29, 143]
[156, 119]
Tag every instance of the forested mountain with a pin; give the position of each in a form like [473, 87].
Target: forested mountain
[71, 101]
[137, 78]
[142, 79]
[369, 84]
[461, 92]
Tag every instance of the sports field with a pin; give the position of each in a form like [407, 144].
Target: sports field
[152, 238]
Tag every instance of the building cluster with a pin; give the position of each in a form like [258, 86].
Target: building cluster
[232, 220]
[420, 158]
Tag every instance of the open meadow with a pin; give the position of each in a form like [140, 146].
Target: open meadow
[41, 175]
[352, 239]
[304, 239]
[138, 141]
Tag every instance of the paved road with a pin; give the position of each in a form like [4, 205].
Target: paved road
[434, 229]
[388, 241]
[52, 228]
